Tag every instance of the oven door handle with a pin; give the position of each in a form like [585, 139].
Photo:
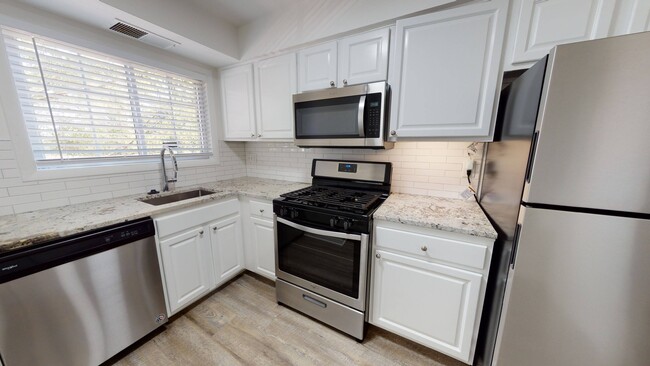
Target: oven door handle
[332, 234]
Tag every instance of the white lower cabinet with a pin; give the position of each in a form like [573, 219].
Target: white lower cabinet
[264, 247]
[199, 248]
[227, 248]
[187, 272]
[259, 236]
[428, 286]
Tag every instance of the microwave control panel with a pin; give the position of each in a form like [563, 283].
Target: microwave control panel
[373, 115]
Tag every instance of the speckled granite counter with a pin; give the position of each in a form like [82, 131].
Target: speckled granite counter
[32, 228]
[465, 217]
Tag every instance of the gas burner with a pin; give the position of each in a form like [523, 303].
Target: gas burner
[335, 198]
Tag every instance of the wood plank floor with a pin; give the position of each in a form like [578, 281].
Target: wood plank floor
[241, 324]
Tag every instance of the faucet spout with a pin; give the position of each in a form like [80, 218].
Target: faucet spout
[166, 183]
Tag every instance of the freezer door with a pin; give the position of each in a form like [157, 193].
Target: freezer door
[592, 149]
[578, 294]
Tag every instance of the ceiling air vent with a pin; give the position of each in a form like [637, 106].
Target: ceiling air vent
[128, 30]
[143, 35]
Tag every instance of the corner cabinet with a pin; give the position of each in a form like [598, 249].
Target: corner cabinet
[538, 26]
[357, 59]
[238, 102]
[429, 285]
[445, 72]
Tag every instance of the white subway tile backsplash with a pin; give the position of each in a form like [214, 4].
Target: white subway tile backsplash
[65, 193]
[17, 196]
[6, 210]
[27, 207]
[90, 197]
[423, 167]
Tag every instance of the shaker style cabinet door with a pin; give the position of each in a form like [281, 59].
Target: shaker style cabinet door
[264, 241]
[540, 25]
[187, 267]
[363, 58]
[227, 248]
[432, 304]
[237, 103]
[317, 67]
[275, 82]
[445, 71]
[640, 21]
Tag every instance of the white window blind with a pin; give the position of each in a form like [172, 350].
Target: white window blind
[83, 106]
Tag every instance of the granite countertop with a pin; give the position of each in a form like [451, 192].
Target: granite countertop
[455, 215]
[32, 228]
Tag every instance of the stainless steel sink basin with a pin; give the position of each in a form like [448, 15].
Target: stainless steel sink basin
[177, 197]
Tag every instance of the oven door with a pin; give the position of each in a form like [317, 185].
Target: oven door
[329, 263]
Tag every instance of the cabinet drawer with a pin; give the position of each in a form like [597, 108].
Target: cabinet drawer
[443, 249]
[262, 209]
[185, 219]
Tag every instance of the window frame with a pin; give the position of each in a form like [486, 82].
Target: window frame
[146, 55]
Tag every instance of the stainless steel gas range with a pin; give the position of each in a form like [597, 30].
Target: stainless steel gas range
[322, 240]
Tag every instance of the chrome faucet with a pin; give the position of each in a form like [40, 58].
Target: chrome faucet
[167, 184]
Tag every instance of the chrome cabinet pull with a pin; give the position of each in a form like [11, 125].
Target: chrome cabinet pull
[261, 210]
[201, 233]
[214, 229]
[332, 84]
[378, 256]
[345, 82]
[252, 135]
[424, 248]
[393, 133]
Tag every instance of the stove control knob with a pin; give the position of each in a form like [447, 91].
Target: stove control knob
[294, 214]
[333, 221]
[346, 224]
[283, 211]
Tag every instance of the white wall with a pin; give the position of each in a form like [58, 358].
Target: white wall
[426, 168]
[309, 21]
[21, 195]
[17, 196]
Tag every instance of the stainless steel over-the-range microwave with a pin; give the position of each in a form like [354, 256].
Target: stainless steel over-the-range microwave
[354, 116]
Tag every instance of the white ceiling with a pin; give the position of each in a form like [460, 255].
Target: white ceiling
[240, 12]
[205, 29]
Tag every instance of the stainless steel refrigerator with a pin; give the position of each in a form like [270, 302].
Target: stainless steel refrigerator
[567, 186]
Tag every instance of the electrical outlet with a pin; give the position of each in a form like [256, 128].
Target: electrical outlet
[251, 159]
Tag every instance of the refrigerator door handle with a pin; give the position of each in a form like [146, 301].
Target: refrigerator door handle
[515, 246]
[531, 156]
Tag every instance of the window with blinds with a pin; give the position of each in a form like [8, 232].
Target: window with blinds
[84, 106]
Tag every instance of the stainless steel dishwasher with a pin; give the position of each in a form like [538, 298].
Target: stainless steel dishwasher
[82, 299]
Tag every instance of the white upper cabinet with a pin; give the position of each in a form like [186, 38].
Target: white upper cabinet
[640, 21]
[363, 58]
[537, 26]
[358, 59]
[317, 67]
[445, 71]
[275, 84]
[237, 102]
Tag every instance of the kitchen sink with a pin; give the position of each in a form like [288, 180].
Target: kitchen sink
[156, 201]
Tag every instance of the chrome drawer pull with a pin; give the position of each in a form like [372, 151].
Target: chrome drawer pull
[424, 248]
[314, 301]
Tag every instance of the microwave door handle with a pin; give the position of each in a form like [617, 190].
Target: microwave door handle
[331, 234]
[362, 109]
